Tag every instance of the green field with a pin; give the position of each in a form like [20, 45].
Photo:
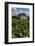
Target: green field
[20, 28]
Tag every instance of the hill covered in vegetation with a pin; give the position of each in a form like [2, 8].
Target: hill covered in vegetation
[20, 28]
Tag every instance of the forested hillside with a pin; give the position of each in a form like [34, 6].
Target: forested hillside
[20, 28]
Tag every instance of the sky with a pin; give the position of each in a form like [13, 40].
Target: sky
[16, 11]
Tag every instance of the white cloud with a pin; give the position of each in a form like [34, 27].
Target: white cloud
[20, 10]
[16, 12]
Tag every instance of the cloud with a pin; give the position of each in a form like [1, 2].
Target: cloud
[20, 10]
[16, 11]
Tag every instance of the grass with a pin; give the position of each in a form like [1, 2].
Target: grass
[20, 28]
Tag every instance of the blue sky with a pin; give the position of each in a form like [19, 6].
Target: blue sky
[16, 11]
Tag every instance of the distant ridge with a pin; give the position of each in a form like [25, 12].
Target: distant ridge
[22, 14]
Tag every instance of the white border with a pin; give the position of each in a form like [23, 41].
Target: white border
[10, 22]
